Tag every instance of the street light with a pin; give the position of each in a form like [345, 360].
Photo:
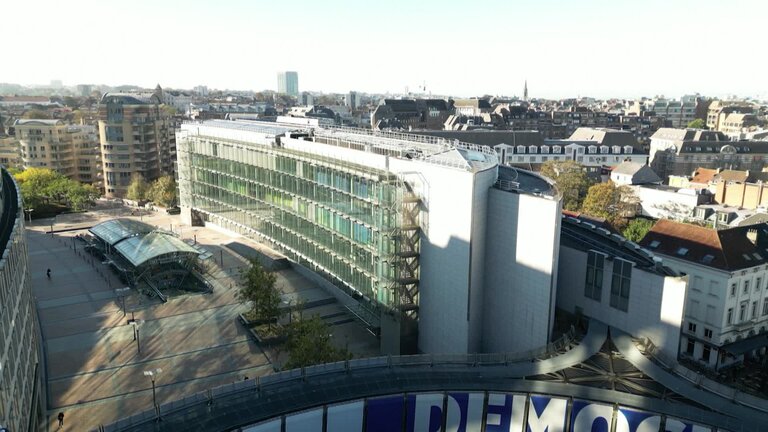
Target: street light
[152, 374]
[29, 212]
[136, 323]
[121, 293]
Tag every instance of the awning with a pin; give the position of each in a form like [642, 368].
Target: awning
[747, 345]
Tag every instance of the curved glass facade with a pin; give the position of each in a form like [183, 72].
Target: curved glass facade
[20, 400]
[340, 217]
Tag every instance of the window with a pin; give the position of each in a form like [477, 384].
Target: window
[692, 327]
[758, 283]
[544, 149]
[708, 333]
[654, 244]
[556, 149]
[754, 309]
[593, 288]
[743, 312]
[532, 149]
[691, 346]
[765, 306]
[622, 273]
[521, 149]
[746, 286]
[682, 251]
[592, 149]
[733, 290]
[729, 318]
[705, 354]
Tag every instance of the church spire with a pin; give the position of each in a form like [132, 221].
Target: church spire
[525, 91]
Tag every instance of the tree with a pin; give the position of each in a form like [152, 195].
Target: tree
[137, 190]
[637, 229]
[36, 114]
[39, 185]
[610, 202]
[163, 191]
[571, 181]
[309, 343]
[697, 124]
[258, 288]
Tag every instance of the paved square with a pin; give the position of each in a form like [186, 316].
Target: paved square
[93, 364]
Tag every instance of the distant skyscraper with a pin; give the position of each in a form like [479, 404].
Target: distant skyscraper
[288, 83]
[525, 91]
[352, 101]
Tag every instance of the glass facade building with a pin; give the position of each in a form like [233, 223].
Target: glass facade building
[20, 360]
[344, 219]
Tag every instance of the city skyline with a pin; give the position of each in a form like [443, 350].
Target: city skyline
[594, 48]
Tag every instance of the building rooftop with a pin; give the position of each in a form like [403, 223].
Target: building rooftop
[519, 180]
[115, 230]
[580, 234]
[40, 122]
[704, 175]
[728, 249]
[489, 138]
[689, 135]
[142, 248]
[131, 98]
[604, 136]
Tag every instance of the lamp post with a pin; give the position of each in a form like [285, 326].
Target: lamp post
[136, 323]
[29, 212]
[121, 293]
[152, 374]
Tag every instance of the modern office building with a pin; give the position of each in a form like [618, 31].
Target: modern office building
[22, 399]
[137, 138]
[422, 232]
[608, 278]
[288, 83]
[71, 150]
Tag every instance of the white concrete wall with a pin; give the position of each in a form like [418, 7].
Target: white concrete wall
[665, 204]
[523, 234]
[655, 308]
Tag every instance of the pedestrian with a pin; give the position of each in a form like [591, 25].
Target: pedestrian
[61, 420]
[48, 273]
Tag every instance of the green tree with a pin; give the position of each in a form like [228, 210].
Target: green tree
[309, 343]
[697, 124]
[138, 188]
[257, 287]
[40, 185]
[36, 114]
[571, 181]
[637, 229]
[610, 202]
[163, 191]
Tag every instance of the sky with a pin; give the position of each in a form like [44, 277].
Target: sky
[563, 48]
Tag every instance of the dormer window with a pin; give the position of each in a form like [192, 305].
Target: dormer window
[654, 244]
[544, 149]
[592, 149]
[628, 149]
[604, 149]
[682, 251]
[521, 149]
[616, 149]
[532, 149]
[556, 149]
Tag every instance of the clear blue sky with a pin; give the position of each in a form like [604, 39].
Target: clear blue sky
[564, 48]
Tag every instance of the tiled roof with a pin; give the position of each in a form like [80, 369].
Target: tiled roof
[729, 249]
[732, 176]
[704, 175]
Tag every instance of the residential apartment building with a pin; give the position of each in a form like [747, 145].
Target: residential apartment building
[137, 138]
[719, 110]
[288, 83]
[10, 151]
[681, 151]
[727, 298]
[737, 125]
[608, 278]
[677, 113]
[430, 239]
[23, 397]
[71, 150]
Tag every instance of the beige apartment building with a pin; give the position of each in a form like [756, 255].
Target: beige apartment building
[71, 150]
[137, 138]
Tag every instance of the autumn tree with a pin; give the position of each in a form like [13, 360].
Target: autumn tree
[36, 114]
[309, 343]
[163, 191]
[257, 288]
[637, 229]
[611, 202]
[697, 124]
[571, 180]
[138, 188]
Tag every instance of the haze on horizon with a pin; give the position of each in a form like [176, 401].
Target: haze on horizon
[598, 48]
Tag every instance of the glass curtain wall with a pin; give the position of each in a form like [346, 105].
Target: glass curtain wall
[343, 219]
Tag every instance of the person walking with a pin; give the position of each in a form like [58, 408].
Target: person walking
[61, 415]
[48, 273]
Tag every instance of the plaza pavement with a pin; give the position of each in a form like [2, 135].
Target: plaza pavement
[94, 369]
